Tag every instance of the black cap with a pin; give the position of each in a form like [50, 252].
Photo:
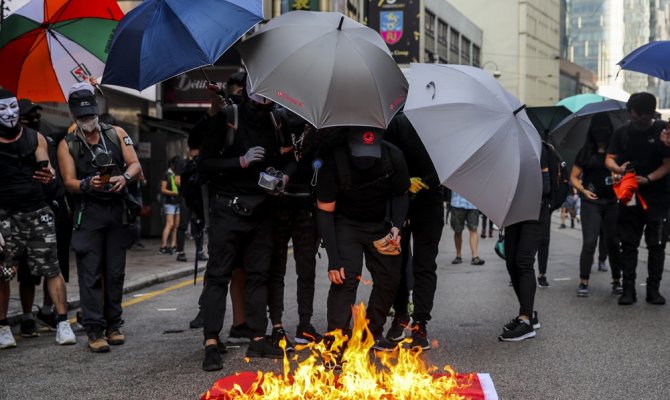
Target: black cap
[26, 106]
[82, 100]
[365, 142]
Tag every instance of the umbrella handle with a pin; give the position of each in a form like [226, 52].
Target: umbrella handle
[432, 84]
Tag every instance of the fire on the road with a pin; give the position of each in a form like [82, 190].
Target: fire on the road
[401, 374]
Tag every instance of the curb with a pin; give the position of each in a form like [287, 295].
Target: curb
[131, 287]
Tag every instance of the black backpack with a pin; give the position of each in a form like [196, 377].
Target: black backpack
[558, 177]
[191, 189]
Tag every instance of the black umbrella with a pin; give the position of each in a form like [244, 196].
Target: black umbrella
[545, 119]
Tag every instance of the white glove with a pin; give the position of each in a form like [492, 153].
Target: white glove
[252, 155]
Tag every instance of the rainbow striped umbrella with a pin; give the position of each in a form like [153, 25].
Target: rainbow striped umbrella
[46, 46]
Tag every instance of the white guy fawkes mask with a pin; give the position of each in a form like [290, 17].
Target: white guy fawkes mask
[9, 112]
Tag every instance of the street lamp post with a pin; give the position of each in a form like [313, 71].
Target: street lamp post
[496, 71]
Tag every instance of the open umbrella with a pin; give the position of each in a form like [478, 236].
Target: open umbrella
[576, 102]
[652, 59]
[481, 142]
[571, 133]
[46, 46]
[160, 39]
[546, 118]
[325, 67]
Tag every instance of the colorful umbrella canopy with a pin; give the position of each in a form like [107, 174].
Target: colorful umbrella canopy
[325, 67]
[160, 39]
[576, 102]
[47, 46]
[652, 59]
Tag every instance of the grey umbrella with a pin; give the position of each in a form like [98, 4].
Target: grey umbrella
[325, 67]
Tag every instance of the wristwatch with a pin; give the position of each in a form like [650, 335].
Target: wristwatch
[127, 177]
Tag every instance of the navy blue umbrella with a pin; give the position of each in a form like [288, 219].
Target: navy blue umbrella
[160, 39]
[652, 59]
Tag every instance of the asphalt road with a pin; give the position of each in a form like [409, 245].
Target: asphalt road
[587, 348]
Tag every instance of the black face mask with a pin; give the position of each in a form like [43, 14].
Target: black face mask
[235, 98]
[9, 133]
[601, 136]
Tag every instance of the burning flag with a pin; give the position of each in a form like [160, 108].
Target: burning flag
[401, 374]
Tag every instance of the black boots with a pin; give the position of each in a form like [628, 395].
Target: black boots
[653, 295]
[629, 296]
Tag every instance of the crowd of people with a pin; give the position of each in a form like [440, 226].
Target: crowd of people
[258, 177]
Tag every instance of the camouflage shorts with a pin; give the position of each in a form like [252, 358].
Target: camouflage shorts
[33, 232]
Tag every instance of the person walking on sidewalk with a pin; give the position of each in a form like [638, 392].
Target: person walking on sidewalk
[637, 147]
[464, 214]
[600, 210]
[170, 194]
[420, 236]
[26, 221]
[97, 161]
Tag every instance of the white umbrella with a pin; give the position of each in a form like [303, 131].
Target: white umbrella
[480, 139]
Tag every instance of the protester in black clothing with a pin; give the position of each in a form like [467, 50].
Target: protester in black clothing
[240, 223]
[186, 215]
[522, 241]
[600, 210]
[362, 198]
[423, 229]
[294, 220]
[637, 146]
[97, 161]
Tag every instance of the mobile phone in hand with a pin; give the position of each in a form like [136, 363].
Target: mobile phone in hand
[41, 164]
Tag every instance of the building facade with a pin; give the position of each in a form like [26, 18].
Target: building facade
[521, 41]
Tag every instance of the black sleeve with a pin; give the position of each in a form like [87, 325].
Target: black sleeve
[213, 142]
[400, 182]
[325, 223]
[615, 146]
[399, 208]
[326, 183]
[197, 133]
[544, 165]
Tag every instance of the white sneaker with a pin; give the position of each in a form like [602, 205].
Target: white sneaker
[6, 338]
[64, 334]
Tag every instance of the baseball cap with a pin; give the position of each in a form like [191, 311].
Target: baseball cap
[26, 106]
[81, 99]
[365, 142]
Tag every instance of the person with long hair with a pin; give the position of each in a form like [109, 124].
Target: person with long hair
[170, 192]
[593, 181]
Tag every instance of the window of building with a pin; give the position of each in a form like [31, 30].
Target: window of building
[476, 55]
[454, 41]
[465, 51]
[442, 32]
[430, 23]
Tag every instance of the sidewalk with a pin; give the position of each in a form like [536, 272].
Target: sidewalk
[143, 268]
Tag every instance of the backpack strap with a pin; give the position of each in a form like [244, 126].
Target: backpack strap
[74, 141]
[232, 119]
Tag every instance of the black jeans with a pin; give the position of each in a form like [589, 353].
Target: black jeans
[543, 250]
[293, 219]
[355, 240]
[184, 220]
[633, 221]
[521, 243]
[425, 230]
[596, 218]
[100, 244]
[234, 237]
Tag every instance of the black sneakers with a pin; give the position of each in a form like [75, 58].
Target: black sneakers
[533, 320]
[653, 297]
[583, 290]
[522, 330]
[616, 287]
[29, 328]
[307, 334]
[181, 256]
[420, 336]
[277, 335]
[202, 256]
[239, 334]
[47, 319]
[383, 344]
[628, 297]
[265, 348]
[197, 322]
[396, 332]
[542, 282]
[212, 360]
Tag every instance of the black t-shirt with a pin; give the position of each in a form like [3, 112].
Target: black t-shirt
[402, 134]
[167, 199]
[595, 175]
[20, 192]
[645, 152]
[363, 201]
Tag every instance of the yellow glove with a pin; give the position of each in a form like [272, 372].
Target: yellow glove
[416, 184]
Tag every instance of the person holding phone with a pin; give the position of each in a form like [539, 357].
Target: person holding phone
[26, 221]
[592, 180]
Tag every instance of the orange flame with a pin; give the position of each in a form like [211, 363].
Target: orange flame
[401, 374]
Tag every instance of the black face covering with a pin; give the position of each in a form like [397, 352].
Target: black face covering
[9, 133]
[601, 135]
[235, 98]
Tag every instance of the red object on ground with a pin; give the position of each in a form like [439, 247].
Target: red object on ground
[480, 388]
